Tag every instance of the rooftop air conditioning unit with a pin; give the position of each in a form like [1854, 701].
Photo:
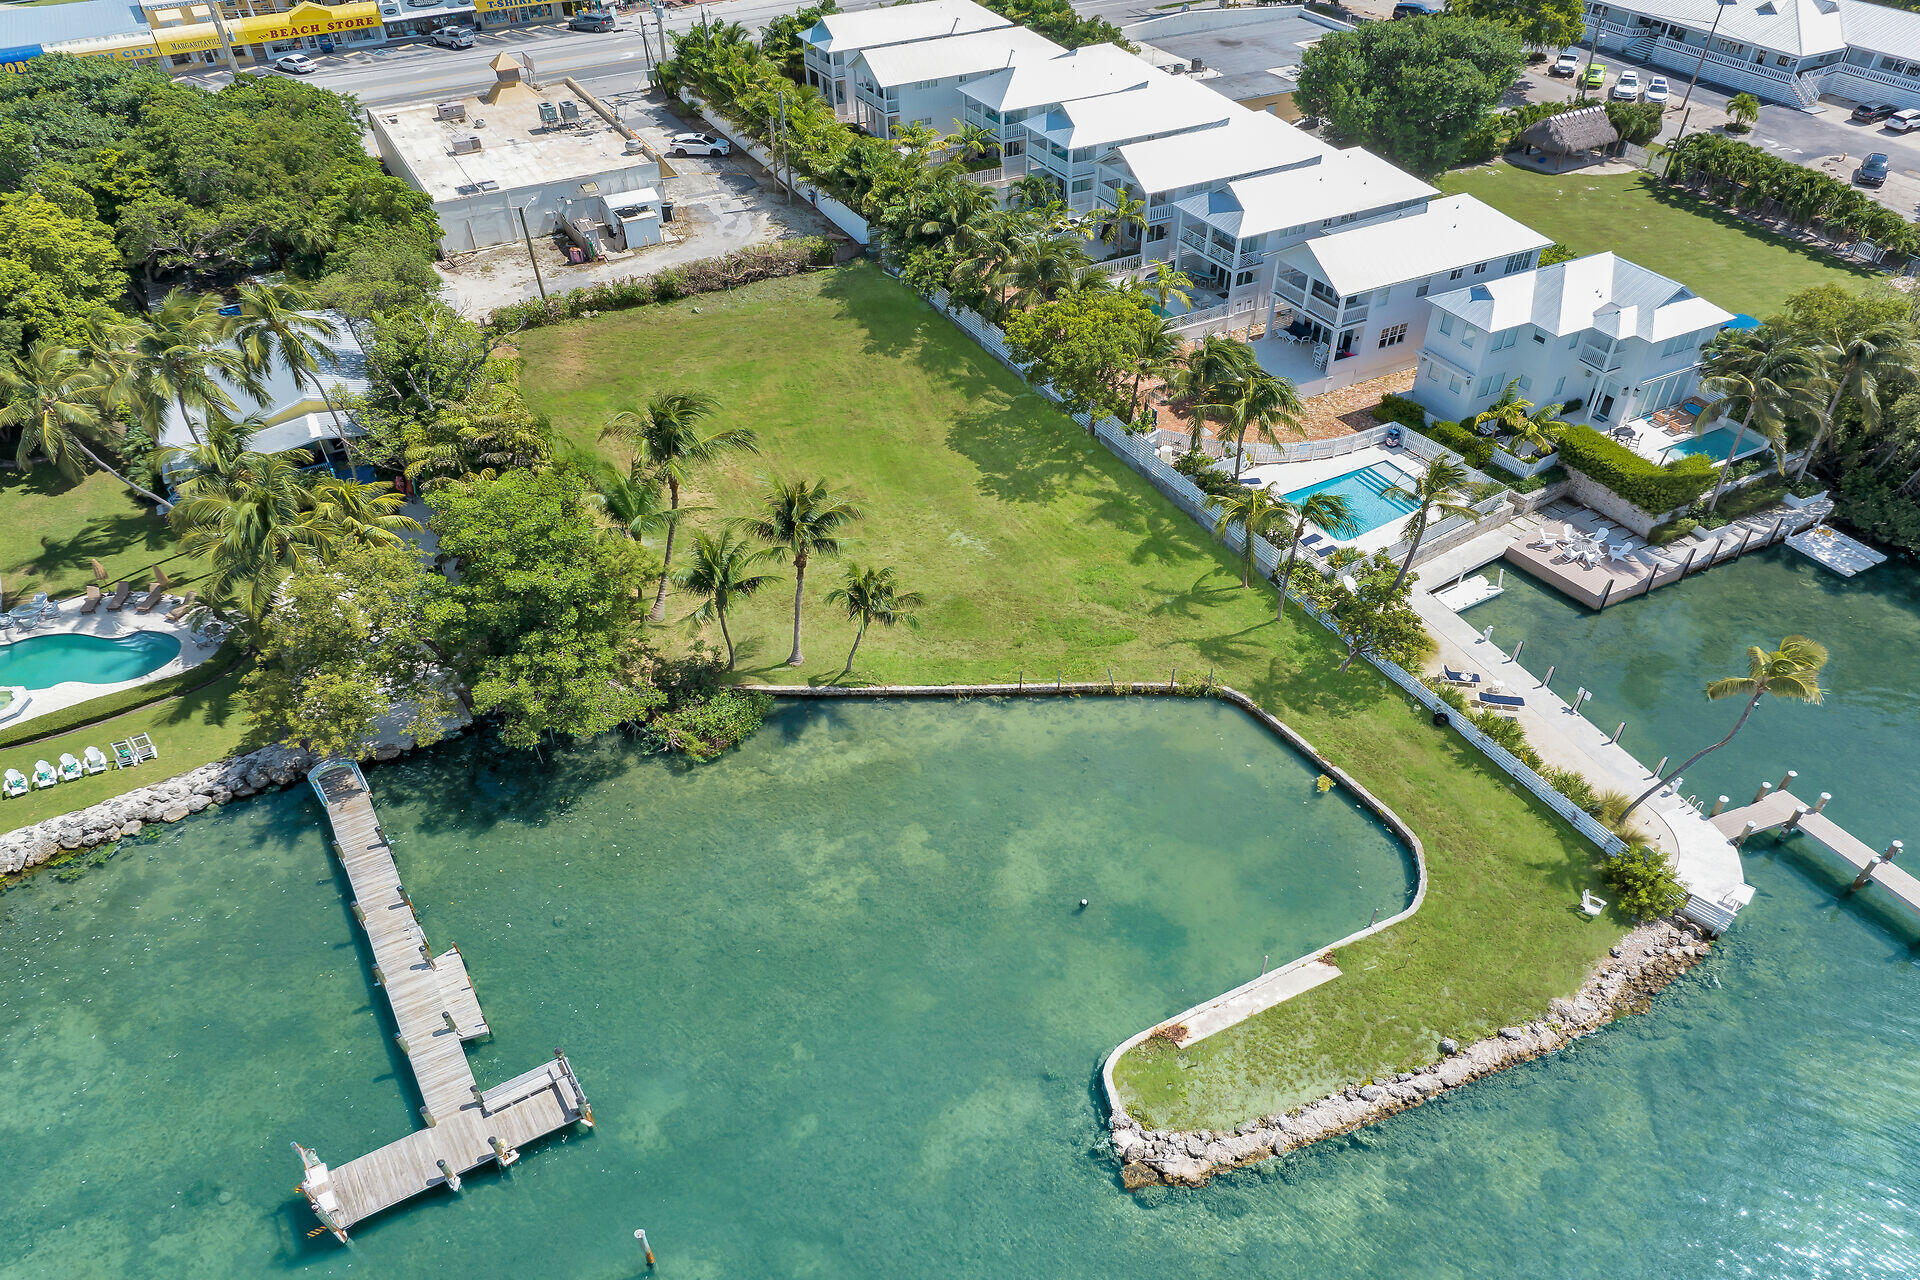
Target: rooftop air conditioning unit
[634, 147]
[570, 112]
[451, 111]
[466, 146]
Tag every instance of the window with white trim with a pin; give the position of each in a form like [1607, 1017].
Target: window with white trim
[1675, 345]
[1504, 339]
[1393, 336]
[1454, 384]
[1518, 261]
[1421, 292]
[1526, 383]
[1467, 334]
[1446, 323]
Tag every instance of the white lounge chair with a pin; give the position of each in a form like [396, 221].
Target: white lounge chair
[44, 776]
[1548, 538]
[69, 767]
[94, 760]
[1619, 553]
[15, 784]
[1591, 905]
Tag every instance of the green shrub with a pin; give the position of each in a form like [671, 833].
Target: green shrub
[1477, 450]
[1539, 480]
[1644, 884]
[1636, 122]
[1672, 530]
[1396, 408]
[709, 275]
[705, 727]
[107, 706]
[1484, 490]
[1573, 786]
[1647, 485]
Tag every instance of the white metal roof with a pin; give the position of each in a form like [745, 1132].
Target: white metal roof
[1249, 142]
[1603, 291]
[1454, 231]
[1078, 73]
[1876, 27]
[341, 365]
[1798, 27]
[871, 28]
[1164, 104]
[1354, 181]
[897, 64]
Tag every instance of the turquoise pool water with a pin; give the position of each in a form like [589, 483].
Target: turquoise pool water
[39, 662]
[1366, 493]
[1715, 444]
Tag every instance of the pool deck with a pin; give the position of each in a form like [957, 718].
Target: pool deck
[436, 1011]
[100, 622]
[1292, 476]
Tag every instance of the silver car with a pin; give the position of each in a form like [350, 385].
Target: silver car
[1903, 121]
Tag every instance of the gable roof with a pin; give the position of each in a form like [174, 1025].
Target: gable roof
[1877, 27]
[1354, 181]
[1249, 142]
[1451, 232]
[1164, 104]
[1797, 27]
[1079, 73]
[1603, 291]
[894, 24]
[896, 64]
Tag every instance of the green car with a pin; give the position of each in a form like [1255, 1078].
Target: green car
[1596, 76]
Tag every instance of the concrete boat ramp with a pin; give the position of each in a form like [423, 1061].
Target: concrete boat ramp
[435, 1010]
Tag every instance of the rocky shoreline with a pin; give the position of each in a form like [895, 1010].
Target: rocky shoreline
[1643, 962]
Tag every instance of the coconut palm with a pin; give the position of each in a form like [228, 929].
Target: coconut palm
[275, 331]
[1169, 282]
[1257, 402]
[799, 519]
[55, 404]
[872, 595]
[1124, 221]
[635, 502]
[1208, 368]
[1792, 671]
[667, 434]
[1440, 490]
[721, 572]
[360, 512]
[181, 356]
[1258, 513]
[973, 140]
[1855, 364]
[254, 525]
[1156, 349]
[1765, 377]
[1332, 513]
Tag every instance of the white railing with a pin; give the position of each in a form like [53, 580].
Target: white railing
[1111, 266]
[1220, 317]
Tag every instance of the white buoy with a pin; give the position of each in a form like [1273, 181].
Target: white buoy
[1083, 904]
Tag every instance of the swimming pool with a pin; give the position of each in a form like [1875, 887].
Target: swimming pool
[39, 662]
[1366, 493]
[1715, 444]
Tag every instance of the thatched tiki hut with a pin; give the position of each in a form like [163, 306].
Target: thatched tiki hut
[1568, 140]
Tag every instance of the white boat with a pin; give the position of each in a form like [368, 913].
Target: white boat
[15, 784]
[69, 767]
[94, 760]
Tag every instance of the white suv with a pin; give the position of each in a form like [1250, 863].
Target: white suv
[698, 144]
[1902, 121]
[1627, 87]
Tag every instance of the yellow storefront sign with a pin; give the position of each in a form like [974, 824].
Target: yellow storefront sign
[197, 37]
[498, 6]
[304, 20]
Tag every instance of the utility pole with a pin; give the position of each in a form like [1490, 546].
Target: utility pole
[528, 236]
[1686, 109]
[786, 143]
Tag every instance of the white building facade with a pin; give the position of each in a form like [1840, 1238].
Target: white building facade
[920, 83]
[828, 48]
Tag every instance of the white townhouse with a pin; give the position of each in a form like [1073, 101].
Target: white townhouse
[1787, 51]
[828, 48]
[1076, 145]
[919, 83]
[1162, 172]
[1003, 100]
[1617, 339]
[1360, 295]
[1228, 236]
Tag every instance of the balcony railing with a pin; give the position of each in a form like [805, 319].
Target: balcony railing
[1354, 313]
[1601, 358]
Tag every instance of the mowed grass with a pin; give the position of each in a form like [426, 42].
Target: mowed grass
[1727, 260]
[52, 529]
[1039, 551]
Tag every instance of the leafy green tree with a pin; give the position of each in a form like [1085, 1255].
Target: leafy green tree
[721, 572]
[1413, 91]
[870, 595]
[1540, 24]
[374, 270]
[1856, 364]
[1645, 885]
[53, 403]
[425, 357]
[345, 647]
[1792, 672]
[57, 271]
[1087, 346]
[1373, 615]
[546, 623]
[799, 519]
[1766, 377]
[1439, 490]
[668, 434]
[1209, 368]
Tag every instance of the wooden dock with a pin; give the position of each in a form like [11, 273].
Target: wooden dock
[1782, 810]
[436, 1011]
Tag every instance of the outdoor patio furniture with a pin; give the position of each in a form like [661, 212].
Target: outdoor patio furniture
[143, 748]
[44, 776]
[1619, 553]
[94, 760]
[15, 784]
[69, 766]
[93, 599]
[120, 595]
[1547, 539]
[186, 607]
[155, 594]
[1591, 905]
[1459, 677]
[1501, 702]
[123, 757]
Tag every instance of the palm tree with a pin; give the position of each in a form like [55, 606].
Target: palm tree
[722, 572]
[255, 525]
[1765, 377]
[1126, 219]
[874, 595]
[1156, 348]
[1169, 281]
[274, 330]
[360, 511]
[1791, 671]
[800, 519]
[1258, 513]
[973, 140]
[1438, 490]
[1855, 365]
[55, 404]
[1257, 401]
[1332, 513]
[666, 433]
[635, 502]
[1208, 368]
[181, 356]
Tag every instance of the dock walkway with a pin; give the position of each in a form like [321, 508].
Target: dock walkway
[436, 1011]
[1774, 810]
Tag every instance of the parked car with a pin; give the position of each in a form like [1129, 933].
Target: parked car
[590, 22]
[453, 38]
[1872, 171]
[1406, 10]
[1596, 75]
[295, 64]
[1871, 113]
[1627, 87]
[1657, 90]
[1567, 64]
[1903, 121]
[698, 144]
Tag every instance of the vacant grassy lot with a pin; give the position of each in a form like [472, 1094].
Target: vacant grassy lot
[1741, 266]
[52, 529]
[1038, 550]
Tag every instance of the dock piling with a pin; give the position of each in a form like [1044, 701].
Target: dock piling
[1786, 783]
[1605, 593]
[1719, 806]
[1821, 804]
[1866, 875]
[1766, 789]
[1549, 676]
[1618, 730]
[1662, 766]
[453, 1179]
[1518, 645]
[1741, 839]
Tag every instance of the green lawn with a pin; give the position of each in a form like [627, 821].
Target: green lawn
[1725, 259]
[1040, 551]
[51, 529]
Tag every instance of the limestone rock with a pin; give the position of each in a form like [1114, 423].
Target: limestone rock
[1449, 1046]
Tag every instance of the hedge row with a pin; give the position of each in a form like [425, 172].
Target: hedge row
[107, 706]
[708, 275]
[1400, 409]
[1647, 485]
[1476, 449]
